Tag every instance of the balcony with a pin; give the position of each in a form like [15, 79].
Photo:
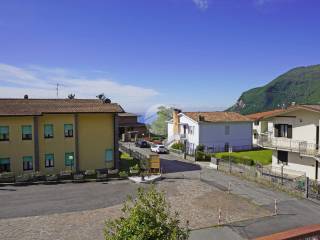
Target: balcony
[285, 144]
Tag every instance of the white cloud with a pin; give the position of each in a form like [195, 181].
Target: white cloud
[40, 82]
[201, 4]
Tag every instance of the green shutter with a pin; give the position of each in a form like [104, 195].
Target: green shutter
[4, 130]
[69, 159]
[48, 130]
[109, 155]
[27, 129]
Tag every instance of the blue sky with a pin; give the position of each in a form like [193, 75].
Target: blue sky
[195, 54]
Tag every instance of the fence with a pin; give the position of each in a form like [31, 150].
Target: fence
[293, 181]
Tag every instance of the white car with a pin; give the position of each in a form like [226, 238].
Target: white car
[158, 148]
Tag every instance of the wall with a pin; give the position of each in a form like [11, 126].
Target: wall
[16, 148]
[194, 137]
[213, 134]
[95, 136]
[304, 124]
[58, 145]
[297, 163]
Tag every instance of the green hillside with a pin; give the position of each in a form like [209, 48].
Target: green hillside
[300, 85]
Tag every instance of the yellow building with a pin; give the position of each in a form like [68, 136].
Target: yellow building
[52, 135]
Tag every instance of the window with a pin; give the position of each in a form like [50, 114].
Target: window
[4, 164]
[226, 147]
[255, 135]
[283, 130]
[49, 160]
[27, 132]
[48, 131]
[69, 159]
[283, 157]
[227, 130]
[256, 123]
[4, 133]
[109, 155]
[27, 163]
[68, 130]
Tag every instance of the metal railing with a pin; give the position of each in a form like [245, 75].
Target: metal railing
[302, 147]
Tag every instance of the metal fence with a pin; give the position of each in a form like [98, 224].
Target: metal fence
[290, 181]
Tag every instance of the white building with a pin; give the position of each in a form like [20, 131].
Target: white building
[261, 126]
[294, 139]
[217, 131]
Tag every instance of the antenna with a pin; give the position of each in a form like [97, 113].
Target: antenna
[57, 89]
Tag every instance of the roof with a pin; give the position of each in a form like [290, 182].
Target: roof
[31, 107]
[260, 115]
[314, 108]
[125, 114]
[217, 117]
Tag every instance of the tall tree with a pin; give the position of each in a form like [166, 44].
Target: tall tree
[159, 126]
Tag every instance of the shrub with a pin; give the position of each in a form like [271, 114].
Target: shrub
[123, 174]
[147, 217]
[178, 146]
[200, 156]
[200, 148]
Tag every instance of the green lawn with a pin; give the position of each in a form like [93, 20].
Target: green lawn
[263, 157]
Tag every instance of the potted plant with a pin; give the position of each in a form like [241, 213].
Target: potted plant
[52, 178]
[78, 177]
[23, 178]
[102, 175]
[90, 174]
[7, 177]
[65, 175]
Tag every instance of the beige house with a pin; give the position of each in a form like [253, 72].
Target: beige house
[294, 139]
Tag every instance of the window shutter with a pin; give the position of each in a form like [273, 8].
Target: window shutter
[289, 131]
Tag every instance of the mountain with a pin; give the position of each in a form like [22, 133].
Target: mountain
[300, 85]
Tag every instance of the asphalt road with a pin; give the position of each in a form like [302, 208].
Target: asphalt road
[33, 200]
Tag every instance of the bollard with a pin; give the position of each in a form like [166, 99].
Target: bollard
[275, 207]
[219, 217]
[229, 188]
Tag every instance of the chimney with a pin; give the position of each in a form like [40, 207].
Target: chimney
[26, 96]
[176, 121]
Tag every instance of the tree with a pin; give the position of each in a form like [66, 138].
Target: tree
[146, 218]
[159, 126]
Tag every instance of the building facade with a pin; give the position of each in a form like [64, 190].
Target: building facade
[130, 127]
[217, 131]
[58, 134]
[261, 126]
[294, 140]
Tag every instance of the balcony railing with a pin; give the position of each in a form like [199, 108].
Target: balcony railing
[286, 144]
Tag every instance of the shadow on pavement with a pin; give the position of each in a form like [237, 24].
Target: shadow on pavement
[173, 166]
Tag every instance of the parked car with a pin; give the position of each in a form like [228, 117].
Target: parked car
[158, 148]
[142, 144]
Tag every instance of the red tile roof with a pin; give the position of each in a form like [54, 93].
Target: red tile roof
[30, 107]
[260, 115]
[274, 113]
[217, 116]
